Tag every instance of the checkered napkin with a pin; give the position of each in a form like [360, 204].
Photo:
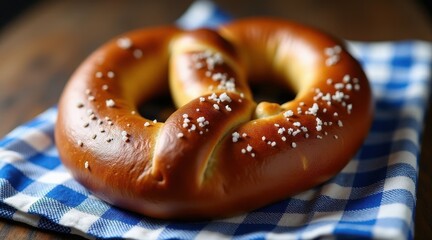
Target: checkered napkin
[373, 197]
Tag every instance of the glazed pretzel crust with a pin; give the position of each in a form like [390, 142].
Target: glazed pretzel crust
[220, 153]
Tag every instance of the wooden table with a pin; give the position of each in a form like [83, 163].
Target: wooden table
[41, 48]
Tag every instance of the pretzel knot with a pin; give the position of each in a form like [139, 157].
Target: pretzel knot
[220, 153]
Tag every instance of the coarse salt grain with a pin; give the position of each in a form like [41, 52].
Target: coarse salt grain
[313, 110]
[349, 108]
[235, 136]
[110, 103]
[98, 74]
[281, 130]
[124, 43]
[213, 97]
[202, 121]
[357, 87]
[249, 148]
[346, 78]
[137, 53]
[290, 131]
[111, 74]
[339, 86]
[318, 124]
[224, 97]
[288, 113]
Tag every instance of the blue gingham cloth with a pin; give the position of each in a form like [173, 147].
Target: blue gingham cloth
[373, 197]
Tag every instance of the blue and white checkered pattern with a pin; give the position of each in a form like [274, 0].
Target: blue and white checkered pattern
[373, 197]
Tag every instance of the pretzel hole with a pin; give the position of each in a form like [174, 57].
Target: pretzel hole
[159, 107]
[273, 92]
[270, 95]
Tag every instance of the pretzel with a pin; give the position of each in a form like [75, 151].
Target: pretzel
[220, 153]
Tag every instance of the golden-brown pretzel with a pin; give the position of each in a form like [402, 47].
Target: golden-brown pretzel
[219, 153]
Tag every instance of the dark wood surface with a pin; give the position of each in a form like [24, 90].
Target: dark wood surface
[40, 49]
